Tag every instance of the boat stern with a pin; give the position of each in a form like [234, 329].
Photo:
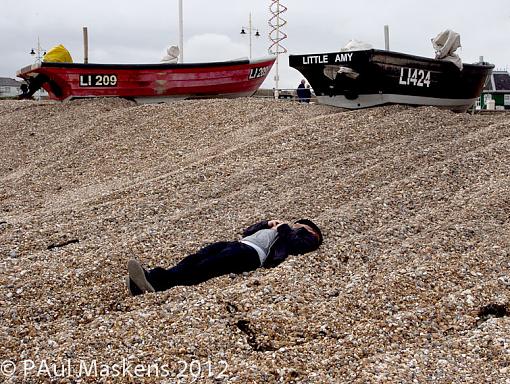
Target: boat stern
[28, 71]
[37, 77]
[326, 72]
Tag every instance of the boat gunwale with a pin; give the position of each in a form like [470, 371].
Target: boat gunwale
[398, 55]
[148, 66]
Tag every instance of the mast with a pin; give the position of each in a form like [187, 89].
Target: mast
[181, 34]
[249, 31]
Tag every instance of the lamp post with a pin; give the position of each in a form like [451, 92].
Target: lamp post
[37, 52]
[250, 32]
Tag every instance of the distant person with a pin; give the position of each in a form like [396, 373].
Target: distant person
[301, 91]
[24, 92]
[265, 244]
[307, 94]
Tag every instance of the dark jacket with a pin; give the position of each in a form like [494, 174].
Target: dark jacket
[290, 242]
[301, 91]
[307, 95]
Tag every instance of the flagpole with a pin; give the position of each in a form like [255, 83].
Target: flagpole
[181, 34]
[249, 31]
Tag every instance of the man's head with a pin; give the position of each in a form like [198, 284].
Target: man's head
[311, 227]
[303, 81]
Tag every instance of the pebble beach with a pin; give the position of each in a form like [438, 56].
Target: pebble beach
[411, 284]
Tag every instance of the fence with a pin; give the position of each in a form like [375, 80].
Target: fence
[289, 94]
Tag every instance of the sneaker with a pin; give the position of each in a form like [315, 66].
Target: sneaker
[138, 276]
[132, 287]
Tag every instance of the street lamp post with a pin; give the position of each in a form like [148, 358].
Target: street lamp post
[37, 52]
[250, 32]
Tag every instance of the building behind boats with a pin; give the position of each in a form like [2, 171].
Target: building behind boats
[9, 87]
[496, 93]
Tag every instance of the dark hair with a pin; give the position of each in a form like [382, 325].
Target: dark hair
[312, 225]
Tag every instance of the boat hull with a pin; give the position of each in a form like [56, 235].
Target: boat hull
[148, 83]
[362, 79]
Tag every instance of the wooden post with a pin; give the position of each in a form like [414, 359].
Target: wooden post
[387, 37]
[85, 45]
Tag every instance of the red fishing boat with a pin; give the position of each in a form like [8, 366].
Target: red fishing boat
[147, 83]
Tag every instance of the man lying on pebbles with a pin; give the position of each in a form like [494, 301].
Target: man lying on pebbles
[265, 244]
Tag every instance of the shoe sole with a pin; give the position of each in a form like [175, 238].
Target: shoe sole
[137, 274]
[129, 285]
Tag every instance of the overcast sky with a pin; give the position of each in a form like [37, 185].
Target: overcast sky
[122, 31]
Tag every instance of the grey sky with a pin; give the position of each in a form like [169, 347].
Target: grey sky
[139, 31]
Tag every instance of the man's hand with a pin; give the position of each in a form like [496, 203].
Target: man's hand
[274, 223]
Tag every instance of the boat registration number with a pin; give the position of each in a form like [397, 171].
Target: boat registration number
[98, 80]
[255, 73]
[415, 77]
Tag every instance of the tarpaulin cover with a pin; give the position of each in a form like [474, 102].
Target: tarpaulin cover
[445, 45]
[356, 45]
[58, 54]
[172, 55]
